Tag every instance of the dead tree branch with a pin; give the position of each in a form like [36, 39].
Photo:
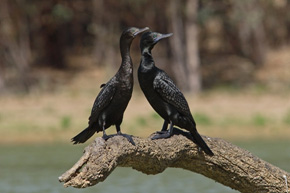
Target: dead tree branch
[231, 165]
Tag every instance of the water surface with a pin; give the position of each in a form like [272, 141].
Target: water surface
[35, 169]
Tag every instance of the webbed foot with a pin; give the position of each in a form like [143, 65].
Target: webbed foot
[162, 135]
[106, 137]
[162, 132]
[128, 137]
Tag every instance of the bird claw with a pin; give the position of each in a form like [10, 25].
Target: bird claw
[199, 149]
[162, 132]
[163, 135]
[106, 137]
[128, 137]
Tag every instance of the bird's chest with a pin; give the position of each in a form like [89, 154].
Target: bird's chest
[146, 84]
[118, 105]
[124, 93]
[122, 97]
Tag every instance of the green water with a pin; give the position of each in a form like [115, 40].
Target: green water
[35, 169]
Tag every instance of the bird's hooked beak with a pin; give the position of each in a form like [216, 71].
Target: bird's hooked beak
[141, 30]
[161, 36]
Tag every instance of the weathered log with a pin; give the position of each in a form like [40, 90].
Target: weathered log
[232, 166]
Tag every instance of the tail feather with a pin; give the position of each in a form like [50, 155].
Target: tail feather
[201, 143]
[83, 136]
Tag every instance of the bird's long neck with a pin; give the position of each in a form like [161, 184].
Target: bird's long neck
[147, 62]
[126, 68]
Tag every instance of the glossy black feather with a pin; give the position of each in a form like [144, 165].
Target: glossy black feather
[163, 95]
[169, 92]
[112, 101]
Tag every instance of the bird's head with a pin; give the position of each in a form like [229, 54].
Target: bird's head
[149, 39]
[132, 32]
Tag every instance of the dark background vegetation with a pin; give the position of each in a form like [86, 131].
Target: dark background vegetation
[215, 42]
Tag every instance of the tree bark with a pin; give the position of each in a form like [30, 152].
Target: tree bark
[231, 165]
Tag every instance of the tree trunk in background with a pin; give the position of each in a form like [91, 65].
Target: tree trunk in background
[248, 17]
[51, 31]
[259, 45]
[2, 84]
[106, 44]
[15, 41]
[184, 45]
[177, 45]
[99, 32]
[53, 47]
[192, 56]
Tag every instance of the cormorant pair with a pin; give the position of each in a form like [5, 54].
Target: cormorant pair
[160, 91]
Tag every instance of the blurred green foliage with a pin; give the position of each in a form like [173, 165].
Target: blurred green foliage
[141, 121]
[65, 122]
[259, 120]
[202, 118]
[62, 13]
[286, 118]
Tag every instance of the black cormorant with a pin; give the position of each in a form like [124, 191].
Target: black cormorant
[110, 104]
[163, 95]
